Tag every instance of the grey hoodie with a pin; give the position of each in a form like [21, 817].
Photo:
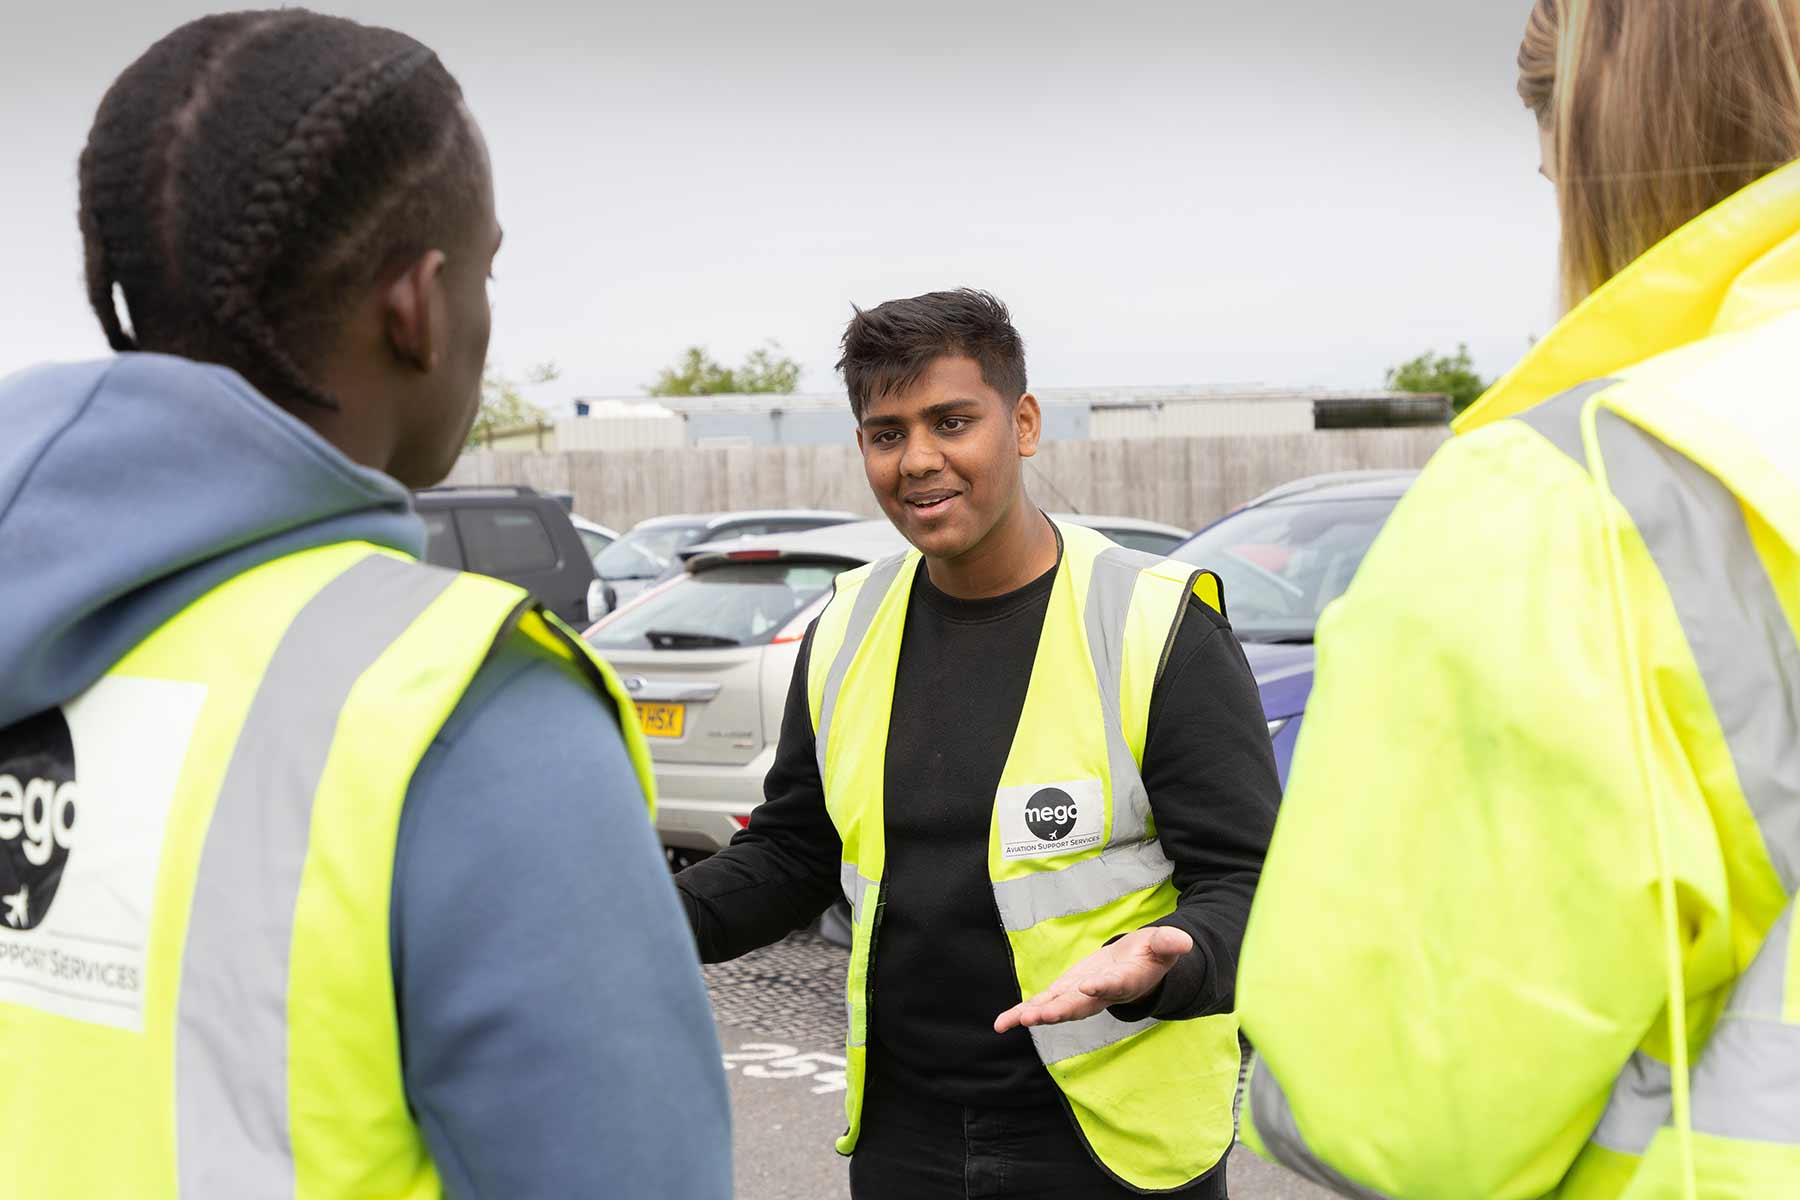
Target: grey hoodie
[557, 1037]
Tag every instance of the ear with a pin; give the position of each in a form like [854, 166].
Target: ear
[1028, 424]
[414, 312]
[861, 449]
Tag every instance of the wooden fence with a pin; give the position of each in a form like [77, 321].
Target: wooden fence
[1184, 481]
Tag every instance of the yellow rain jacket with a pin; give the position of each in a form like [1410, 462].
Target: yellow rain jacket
[1546, 802]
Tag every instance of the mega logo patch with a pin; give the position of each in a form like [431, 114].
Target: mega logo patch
[1051, 813]
[39, 804]
[85, 796]
[1051, 818]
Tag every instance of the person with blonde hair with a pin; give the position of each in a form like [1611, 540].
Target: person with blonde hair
[1546, 808]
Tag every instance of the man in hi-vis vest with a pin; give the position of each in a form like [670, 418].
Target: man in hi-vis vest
[1036, 765]
[326, 873]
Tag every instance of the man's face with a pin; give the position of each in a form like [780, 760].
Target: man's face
[942, 457]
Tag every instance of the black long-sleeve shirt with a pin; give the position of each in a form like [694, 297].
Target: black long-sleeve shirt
[943, 971]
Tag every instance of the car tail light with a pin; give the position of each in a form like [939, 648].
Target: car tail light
[742, 822]
[753, 555]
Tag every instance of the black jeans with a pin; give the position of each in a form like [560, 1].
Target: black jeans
[916, 1148]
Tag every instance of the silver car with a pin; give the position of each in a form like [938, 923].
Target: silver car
[652, 551]
[708, 657]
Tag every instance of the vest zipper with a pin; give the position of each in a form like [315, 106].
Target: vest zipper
[869, 988]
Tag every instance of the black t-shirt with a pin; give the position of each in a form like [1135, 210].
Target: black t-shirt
[942, 969]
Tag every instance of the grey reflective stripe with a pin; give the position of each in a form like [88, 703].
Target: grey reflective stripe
[1640, 1104]
[1762, 988]
[1072, 1038]
[862, 615]
[1731, 617]
[1559, 418]
[1747, 1083]
[855, 888]
[1082, 887]
[231, 1037]
[1281, 1136]
[1110, 587]
[856, 893]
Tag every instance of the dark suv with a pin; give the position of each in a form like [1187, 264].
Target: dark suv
[513, 533]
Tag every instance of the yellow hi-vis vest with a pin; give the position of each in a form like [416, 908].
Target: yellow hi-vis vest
[1072, 849]
[1579, 723]
[202, 1004]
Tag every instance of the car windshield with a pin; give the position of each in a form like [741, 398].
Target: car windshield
[645, 552]
[1282, 563]
[732, 604]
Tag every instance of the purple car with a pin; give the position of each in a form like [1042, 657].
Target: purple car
[1283, 557]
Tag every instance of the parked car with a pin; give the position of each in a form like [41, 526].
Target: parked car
[650, 552]
[1152, 537]
[594, 537]
[1282, 558]
[708, 655]
[513, 533]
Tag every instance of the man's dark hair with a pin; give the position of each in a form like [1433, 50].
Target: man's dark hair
[887, 348]
[253, 173]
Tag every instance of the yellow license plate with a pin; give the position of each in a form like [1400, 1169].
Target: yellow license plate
[662, 720]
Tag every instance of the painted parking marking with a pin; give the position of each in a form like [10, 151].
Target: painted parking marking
[772, 1060]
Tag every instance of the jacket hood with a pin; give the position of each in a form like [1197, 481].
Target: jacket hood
[132, 486]
[1733, 266]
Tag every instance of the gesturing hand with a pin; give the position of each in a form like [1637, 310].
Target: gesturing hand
[1127, 970]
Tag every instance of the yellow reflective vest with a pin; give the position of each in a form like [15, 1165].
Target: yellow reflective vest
[196, 992]
[1072, 847]
[1545, 808]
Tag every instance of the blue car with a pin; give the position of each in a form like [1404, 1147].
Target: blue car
[1283, 557]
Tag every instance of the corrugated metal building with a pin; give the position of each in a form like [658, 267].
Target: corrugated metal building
[1070, 414]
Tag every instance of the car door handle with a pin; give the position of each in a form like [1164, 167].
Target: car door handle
[670, 691]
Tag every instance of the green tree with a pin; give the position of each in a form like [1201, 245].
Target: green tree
[503, 403]
[1452, 375]
[697, 373]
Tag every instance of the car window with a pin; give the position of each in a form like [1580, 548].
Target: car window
[1282, 563]
[1147, 540]
[440, 540]
[733, 604]
[646, 552]
[593, 542]
[505, 541]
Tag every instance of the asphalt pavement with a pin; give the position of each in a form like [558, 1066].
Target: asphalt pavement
[780, 1013]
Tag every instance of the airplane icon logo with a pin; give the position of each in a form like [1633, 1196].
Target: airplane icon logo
[16, 907]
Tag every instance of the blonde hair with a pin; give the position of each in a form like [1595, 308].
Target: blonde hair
[1658, 110]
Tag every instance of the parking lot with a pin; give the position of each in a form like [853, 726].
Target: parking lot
[780, 1016]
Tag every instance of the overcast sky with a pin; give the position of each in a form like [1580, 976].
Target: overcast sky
[1165, 192]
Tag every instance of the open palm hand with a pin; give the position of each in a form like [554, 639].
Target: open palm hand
[1128, 969]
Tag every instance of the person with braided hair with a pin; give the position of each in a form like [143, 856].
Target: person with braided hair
[326, 872]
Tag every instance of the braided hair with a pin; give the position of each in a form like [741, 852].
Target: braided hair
[254, 173]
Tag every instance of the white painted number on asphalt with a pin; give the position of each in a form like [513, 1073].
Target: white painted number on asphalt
[770, 1060]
